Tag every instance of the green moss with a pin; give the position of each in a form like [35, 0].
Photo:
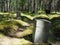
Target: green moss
[22, 23]
[50, 16]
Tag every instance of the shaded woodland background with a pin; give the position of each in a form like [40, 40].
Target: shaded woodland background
[29, 5]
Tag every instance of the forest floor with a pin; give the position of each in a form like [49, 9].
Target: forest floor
[5, 40]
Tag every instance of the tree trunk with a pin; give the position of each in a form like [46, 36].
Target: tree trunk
[48, 6]
[18, 10]
[33, 6]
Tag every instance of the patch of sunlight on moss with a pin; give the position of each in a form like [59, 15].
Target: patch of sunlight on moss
[23, 41]
[28, 16]
[13, 41]
[50, 16]
[53, 16]
[21, 22]
[35, 16]
[58, 12]
[27, 31]
[3, 13]
[9, 14]
[24, 33]
[16, 41]
[2, 35]
[41, 16]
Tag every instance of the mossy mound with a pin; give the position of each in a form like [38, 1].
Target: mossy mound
[14, 27]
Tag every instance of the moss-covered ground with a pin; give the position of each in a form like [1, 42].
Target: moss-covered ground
[15, 31]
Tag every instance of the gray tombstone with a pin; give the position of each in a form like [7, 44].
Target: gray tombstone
[41, 31]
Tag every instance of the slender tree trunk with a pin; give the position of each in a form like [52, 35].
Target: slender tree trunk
[5, 7]
[8, 5]
[48, 6]
[58, 5]
[33, 6]
[36, 6]
[18, 10]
